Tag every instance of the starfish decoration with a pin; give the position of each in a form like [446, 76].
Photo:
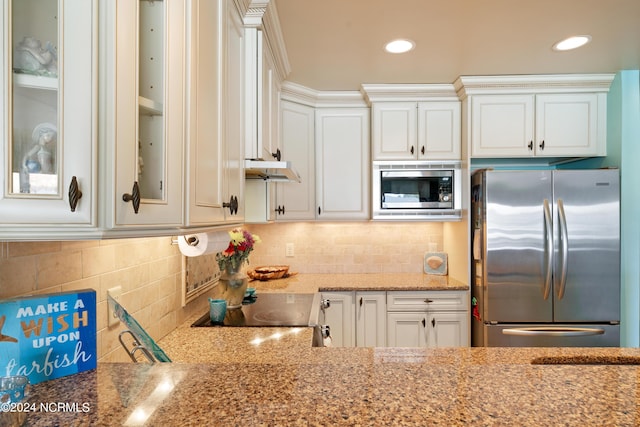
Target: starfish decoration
[4, 337]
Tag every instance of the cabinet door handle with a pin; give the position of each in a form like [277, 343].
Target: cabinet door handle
[428, 300]
[74, 194]
[232, 205]
[542, 145]
[530, 145]
[411, 149]
[280, 210]
[360, 301]
[134, 197]
[424, 323]
[277, 155]
[319, 210]
[422, 150]
[433, 322]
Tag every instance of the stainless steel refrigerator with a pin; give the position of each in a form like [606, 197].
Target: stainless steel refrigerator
[546, 258]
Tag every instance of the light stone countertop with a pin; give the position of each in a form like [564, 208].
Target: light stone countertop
[360, 282]
[273, 377]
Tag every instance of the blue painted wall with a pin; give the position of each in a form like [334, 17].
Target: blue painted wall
[623, 151]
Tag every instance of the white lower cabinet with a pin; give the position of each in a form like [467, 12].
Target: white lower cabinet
[370, 310]
[340, 318]
[427, 319]
[398, 318]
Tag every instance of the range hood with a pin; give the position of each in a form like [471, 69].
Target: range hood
[271, 170]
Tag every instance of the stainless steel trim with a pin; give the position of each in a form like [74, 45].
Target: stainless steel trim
[316, 305]
[564, 247]
[553, 331]
[548, 247]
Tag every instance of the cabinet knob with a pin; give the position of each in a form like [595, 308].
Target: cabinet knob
[422, 150]
[542, 145]
[280, 210]
[74, 194]
[411, 149]
[232, 205]
[428, 300]
[277, 155]
[530, 145]
[134, 197]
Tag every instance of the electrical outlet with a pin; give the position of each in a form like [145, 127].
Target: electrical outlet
[116, 294]
[289, 250]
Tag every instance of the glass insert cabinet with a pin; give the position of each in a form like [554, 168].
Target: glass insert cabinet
[48, 112]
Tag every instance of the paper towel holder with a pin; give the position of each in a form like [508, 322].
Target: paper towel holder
[192, 240]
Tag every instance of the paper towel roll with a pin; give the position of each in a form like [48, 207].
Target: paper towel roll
[203, 243]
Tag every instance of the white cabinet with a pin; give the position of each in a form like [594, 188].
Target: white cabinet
[439, 127]
[340, 318]
[427, 319]
[538, 125]
[48, 110]
[416, 130]
[535, 116]
[204, 171]
[262, 98]
[371, 328]
[296, 201]
[356, 318]
[342, 163]
[144, 113]
[233, 115]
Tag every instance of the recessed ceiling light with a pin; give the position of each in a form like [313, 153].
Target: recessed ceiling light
[571, 43]
[399, 46]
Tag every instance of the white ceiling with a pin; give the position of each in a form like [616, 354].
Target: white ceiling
[338, 44]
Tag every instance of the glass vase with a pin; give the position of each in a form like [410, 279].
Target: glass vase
[234, 284]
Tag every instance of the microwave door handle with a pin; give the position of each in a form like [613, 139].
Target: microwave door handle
[548, 249]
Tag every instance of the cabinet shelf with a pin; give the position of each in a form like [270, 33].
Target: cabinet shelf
[35, 82]
[149, 107]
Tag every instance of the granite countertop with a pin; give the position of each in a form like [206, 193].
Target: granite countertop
[272, 376]
[361, 282]
[350, 386]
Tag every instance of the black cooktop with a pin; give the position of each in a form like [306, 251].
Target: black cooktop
[270, 309]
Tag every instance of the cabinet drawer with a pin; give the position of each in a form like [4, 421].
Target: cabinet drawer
[427, 301]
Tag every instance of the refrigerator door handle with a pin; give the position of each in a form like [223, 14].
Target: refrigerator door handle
[548, 248]
[550, 331]
[564, 247]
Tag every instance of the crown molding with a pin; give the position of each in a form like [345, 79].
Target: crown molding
[408, 92]
[541, 83]
[338, 99]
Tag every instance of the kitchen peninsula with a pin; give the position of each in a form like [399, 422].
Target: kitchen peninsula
[272, 376]
[286, 384]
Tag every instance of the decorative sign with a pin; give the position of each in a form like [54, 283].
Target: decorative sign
[48, 336]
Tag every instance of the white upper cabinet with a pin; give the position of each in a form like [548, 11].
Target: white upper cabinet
[48, 110]
[233, 116]
[394, 130]
[536, 116]
[204, 173]
[296, 201]
[439, 127]
[144, 114]
[342, 160]
[414, 122]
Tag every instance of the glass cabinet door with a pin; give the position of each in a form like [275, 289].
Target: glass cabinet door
[47, 113]
[34, 154]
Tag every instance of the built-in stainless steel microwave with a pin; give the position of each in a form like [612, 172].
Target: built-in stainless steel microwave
[416, 190]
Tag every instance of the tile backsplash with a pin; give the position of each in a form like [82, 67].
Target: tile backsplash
[148, 269]
[347, 247]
